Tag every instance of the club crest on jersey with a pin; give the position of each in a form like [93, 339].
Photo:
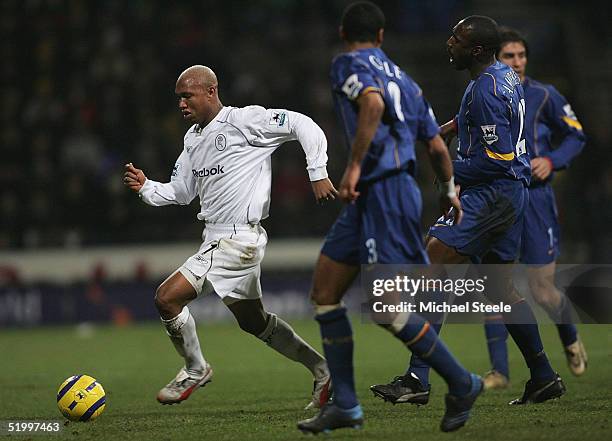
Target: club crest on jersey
[488, 134]
[278, 119]
[220, 142]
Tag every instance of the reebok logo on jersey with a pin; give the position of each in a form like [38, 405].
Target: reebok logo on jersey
[205, 172]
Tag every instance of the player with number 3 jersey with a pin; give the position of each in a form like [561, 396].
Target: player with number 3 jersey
[388, 166]
[409, 117]
[383, 113]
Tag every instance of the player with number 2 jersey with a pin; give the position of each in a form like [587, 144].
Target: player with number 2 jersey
[492, 167]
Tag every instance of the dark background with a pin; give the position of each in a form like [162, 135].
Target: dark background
[89, 86]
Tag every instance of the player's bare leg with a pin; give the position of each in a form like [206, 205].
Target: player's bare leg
[441, 254]
[276, 333]
[171, 299]
[541, 282]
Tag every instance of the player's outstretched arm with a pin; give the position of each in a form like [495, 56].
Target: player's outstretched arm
[371, 108]
[133, 178]
[443, 168]
[314, 143]
[273, 127]
[181, 189]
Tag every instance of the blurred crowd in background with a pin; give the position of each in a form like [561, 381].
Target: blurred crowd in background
[89, 86]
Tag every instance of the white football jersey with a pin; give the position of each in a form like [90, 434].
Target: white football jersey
[227, 163]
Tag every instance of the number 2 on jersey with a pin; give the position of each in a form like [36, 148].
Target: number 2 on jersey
[520, 144]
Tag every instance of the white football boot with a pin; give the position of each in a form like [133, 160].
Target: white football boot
[183, 385]
[321, 392]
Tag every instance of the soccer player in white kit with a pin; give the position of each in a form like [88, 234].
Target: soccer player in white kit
[226, 163]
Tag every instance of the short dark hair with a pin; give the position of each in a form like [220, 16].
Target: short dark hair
[361, 21]
[483, 31]
[510, 35]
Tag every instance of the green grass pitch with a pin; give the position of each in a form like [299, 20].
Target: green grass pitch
[258, 395]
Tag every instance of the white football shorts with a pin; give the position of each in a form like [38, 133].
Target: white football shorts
[228, 262]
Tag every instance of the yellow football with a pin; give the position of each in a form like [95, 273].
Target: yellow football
[81, 398]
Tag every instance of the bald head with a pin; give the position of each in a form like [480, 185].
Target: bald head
[196, 90]
[198, 75]
[480, 30]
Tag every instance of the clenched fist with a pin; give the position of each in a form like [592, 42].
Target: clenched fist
[134, 178]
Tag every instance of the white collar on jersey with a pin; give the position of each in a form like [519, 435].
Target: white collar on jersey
[221, 117]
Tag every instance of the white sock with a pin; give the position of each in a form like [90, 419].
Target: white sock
[182, 331]
[283, 339]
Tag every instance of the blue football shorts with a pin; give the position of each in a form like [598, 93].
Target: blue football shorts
[540, 239]
[382, 226]
[492, 220]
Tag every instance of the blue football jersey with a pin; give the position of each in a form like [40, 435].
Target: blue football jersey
[548, 113]
[406, 119]
[491, 129]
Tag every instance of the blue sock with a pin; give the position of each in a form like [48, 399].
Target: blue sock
[419, 367]
[567, 333]
[354, 412]
[337, 337]
[422, 340]
[522, 326]
[562, 316]
[497, 334]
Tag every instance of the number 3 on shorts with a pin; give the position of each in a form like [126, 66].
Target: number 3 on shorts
[371, 246]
